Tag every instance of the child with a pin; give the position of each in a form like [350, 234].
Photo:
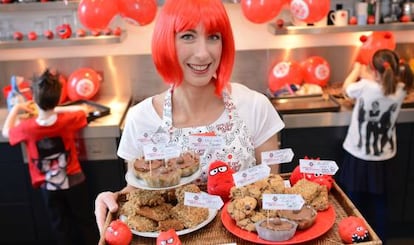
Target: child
[53, 162]
[370, 144]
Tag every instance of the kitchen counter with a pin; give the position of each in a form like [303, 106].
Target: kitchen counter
[104, 127]
[342, 117]
[334, 119]
[109, 126]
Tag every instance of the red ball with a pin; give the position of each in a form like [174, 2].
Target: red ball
[118, 233]
[285, 73]
[316, 70]
[352, 229]
[83, 83]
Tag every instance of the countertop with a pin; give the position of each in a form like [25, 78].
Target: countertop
[343, 116]
[104, 127]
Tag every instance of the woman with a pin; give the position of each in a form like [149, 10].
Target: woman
[193, 50]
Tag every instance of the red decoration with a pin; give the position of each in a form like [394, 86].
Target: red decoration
[32, 36]
[64, 31]
[220, 180]
[48, 34]
[321, 179]
[261, 11]
[83, 83]
[374, 42]
[285, 73]
[97, 14]
[316, 70]
[310, 11]
[352, 229]
[118, 233]
[169, 237]
[138, 12]
[18, 36]
[80, 32]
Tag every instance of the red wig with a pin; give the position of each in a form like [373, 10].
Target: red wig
[182, 15]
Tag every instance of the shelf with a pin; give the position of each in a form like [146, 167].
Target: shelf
[57, 42]
[38, 6]
[291, 30]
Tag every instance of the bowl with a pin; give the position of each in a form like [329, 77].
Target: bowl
[273, 234]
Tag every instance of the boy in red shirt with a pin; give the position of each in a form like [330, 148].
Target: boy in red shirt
[54, 167]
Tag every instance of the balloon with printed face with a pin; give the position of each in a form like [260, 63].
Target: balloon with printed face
[83, 83]
[374, 42]
[285, 73]
[261, 11]
[310, 11]
[316, 70]
[138, 12]
[220, 180]
[97, 14]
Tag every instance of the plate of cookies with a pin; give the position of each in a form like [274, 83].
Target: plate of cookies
[148, 212]
[241, 215]
[164, 174]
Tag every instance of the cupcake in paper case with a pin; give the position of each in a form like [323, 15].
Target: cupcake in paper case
[276, 229]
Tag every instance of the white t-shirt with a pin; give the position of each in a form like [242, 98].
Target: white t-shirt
[371, 133]
[253, 108]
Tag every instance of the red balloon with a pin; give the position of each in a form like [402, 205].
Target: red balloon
[372, 43]
[310, 11]
[285, 73]
[97, 14]
[83, 83]
[138, 12]
[316, 70]
[260, 11]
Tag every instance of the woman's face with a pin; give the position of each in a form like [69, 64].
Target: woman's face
[199, 55]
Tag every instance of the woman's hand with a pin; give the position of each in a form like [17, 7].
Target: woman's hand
[105, 201]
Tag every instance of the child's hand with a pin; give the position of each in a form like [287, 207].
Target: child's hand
[28, 107]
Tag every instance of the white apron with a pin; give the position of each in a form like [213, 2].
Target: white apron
[238, 150]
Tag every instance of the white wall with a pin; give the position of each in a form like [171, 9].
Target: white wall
[249, 36]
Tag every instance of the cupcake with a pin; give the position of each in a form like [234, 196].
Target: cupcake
[188, 163]
[276, 229]
[143, 168]
[164, 176]
[304, 217]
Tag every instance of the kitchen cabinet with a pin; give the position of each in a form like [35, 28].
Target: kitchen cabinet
[16, 216]
[22, 210]
[322, 142]
[39, 12]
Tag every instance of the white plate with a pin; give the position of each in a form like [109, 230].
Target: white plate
[211, 214]
[140, 183]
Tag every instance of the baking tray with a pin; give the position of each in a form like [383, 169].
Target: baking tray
[305, 104]
[95, 110]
